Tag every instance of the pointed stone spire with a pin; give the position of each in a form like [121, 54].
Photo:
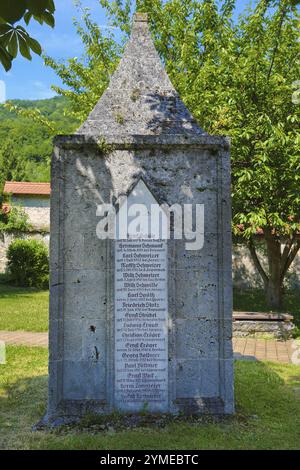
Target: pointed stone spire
[140, 99]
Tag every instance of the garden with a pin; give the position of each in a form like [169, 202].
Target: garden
[234, 76]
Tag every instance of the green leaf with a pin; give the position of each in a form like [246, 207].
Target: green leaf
[37, 7]
[5, 59]
[27, 17]
[20, 28]
[4, 39]
[38, 19]
[12, 10]
[24, 49]
[48, 18]
[51, 6]
[12, 45]
[34, 45]
[5, 28]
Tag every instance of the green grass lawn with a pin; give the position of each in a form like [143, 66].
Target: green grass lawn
[23, 309]
[267, 402]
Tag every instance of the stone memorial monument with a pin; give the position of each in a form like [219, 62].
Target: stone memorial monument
[140, 323]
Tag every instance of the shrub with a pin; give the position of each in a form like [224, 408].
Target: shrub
[15, 219]
[28, 263]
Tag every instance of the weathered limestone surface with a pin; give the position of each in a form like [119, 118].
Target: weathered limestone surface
[140, 99]
[160, 142]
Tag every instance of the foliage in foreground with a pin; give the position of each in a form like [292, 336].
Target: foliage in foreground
[15, 39]
[267, 402]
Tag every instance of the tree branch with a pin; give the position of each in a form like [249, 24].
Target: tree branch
[286, 251]
[257, 262]
[290, 258]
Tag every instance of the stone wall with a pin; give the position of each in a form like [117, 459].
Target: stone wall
[39, 217]
[37, 208]
[274, 329]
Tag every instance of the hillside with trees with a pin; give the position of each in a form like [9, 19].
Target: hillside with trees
[26, 144]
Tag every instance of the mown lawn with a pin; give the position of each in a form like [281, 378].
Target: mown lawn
[23, 309]
[267, 402]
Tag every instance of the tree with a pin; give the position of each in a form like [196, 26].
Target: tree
[237, 77]
[87, 77]
[26, 142]
[15, 38]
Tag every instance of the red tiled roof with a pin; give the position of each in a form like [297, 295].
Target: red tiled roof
[13, 187]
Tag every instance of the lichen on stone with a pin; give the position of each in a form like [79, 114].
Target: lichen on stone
[119, 118]
[135, 95]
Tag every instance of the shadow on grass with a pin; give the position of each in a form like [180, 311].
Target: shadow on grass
[8, 291]
[263, 401]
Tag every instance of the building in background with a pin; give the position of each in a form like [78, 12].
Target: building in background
[34, 198]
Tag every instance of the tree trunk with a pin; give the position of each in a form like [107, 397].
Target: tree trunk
[273, 290]
[274, 283]
[279, 263]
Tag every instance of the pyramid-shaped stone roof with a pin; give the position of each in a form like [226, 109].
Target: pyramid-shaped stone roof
[140, 99]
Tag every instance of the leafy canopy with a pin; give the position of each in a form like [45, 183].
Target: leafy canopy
[14, 39]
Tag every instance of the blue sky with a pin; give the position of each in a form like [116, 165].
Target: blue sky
[32, 80]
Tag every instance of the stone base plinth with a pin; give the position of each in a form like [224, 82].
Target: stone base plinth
[256, 323]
